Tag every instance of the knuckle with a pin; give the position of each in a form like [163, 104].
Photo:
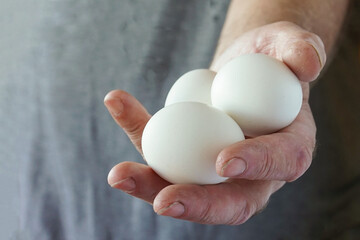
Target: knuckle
[244, 212]
[302, 163]
[134, 130]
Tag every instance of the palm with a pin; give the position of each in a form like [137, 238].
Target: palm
[270, 159]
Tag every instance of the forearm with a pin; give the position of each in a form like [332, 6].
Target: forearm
[322, 17]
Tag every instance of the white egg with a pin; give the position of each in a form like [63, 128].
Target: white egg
[259, 92]
[194, 86]
[182, 141]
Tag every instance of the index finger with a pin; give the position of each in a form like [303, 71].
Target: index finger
[129, 114]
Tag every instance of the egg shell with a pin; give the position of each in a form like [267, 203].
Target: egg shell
[259, 92]
[182, 141]
[193, 86]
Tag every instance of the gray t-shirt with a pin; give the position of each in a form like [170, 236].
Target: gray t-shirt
[71, 54]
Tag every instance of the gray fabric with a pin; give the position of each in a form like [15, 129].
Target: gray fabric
[70, 54]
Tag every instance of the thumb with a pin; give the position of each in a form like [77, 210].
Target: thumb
[304, 55]
[302, 51]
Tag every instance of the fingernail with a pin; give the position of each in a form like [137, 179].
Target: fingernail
[321, 54]
[234, 167]
[115, 106]
[126, 185]
[175, 209]
[319, 58]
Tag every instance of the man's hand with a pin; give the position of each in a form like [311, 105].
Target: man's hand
[257, 167]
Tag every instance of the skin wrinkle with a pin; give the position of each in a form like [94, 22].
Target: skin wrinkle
[269, 159]
[303, 128]
[288, 161]
[232, 207]
[204, 215]
[268, 165]
[277, 157]
[242, 214]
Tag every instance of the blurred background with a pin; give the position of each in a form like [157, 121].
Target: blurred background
[16, 26]
[335, 101]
